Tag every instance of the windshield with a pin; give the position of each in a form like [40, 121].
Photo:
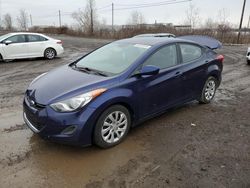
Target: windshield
[4, 36]
[113, 58]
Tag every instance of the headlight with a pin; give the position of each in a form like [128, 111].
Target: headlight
[77, 102]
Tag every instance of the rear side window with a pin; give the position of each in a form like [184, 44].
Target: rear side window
[163, 58]
[190, 52]
[16, 39]
[35, 38]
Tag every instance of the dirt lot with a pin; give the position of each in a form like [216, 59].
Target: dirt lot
[192, 146]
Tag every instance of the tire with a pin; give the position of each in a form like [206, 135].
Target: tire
[107, 128]
[1, 58]
[50, 53]
[248, 62]
[209, 90]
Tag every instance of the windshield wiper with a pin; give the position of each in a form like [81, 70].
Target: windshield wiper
[89, 70]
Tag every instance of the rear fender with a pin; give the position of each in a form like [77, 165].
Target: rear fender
[215, 71]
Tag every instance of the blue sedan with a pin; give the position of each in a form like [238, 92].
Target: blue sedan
[99, 97]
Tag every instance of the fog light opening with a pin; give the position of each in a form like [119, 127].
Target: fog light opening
[69, 130]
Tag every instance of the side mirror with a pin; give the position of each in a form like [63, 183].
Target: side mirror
[149, 70]
[7, 42]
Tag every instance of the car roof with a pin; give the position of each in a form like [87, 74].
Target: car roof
[151, 41]
[25, 33]
[156, 35]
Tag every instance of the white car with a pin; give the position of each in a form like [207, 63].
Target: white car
[248, 56]
[29, 45]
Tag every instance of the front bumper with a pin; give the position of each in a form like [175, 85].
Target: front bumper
[30, 125]
[51, 125]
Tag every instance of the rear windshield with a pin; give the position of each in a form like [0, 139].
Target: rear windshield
[113, 58]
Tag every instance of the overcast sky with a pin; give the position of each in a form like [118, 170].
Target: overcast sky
[45, 12]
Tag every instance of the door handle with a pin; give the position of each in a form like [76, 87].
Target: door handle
[178, 73]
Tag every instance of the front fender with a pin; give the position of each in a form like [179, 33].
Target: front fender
[116, 96]
[101, 103]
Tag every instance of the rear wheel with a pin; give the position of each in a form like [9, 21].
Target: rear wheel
[50, 53]
[209, 90]
[248, 62]
[112, 126]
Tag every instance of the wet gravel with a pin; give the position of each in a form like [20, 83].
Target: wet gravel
[190, 146]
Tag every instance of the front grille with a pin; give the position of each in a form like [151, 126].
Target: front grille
[34, 104]
[33, 119]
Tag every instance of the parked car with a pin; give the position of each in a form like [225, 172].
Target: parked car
[156, 35]
[29, 45]
[118, 86]
[248, 56]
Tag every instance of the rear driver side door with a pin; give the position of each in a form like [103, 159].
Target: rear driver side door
[194, 63]
[37, 45]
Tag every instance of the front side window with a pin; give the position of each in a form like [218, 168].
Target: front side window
[113, 58]
[16, 39]
[190, 52]
[163, 58]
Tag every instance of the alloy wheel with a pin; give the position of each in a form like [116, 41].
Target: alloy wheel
[210, 90]
[50, 53]
[114, 127]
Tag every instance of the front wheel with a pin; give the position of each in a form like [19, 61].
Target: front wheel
[248, 62]
[112, 126]
[209, 90]
[50, 53]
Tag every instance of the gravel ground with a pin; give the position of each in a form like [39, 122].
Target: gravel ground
[190, 146]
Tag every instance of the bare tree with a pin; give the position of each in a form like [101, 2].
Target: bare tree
[87, 18]
[192, 16]
[222, 16]
[7, 21]
[22, 20]
[136, 18]
[223, 24]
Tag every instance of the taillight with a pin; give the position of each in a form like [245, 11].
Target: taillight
[59, 42]
[220, 58]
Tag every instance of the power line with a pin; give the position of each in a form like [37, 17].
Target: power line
[147, 6]
[142, 4]
[112, 9]
[104, 7]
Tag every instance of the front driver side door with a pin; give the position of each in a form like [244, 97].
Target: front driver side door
[17, 48]
[161, 91]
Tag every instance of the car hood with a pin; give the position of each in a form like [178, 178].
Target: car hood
[62, 83]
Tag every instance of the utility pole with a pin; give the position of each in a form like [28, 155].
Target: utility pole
[91, 20]
[31, 22]
[112, 16]
[241, 20]
[60, 19]
[248, 25]
[0, 14]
